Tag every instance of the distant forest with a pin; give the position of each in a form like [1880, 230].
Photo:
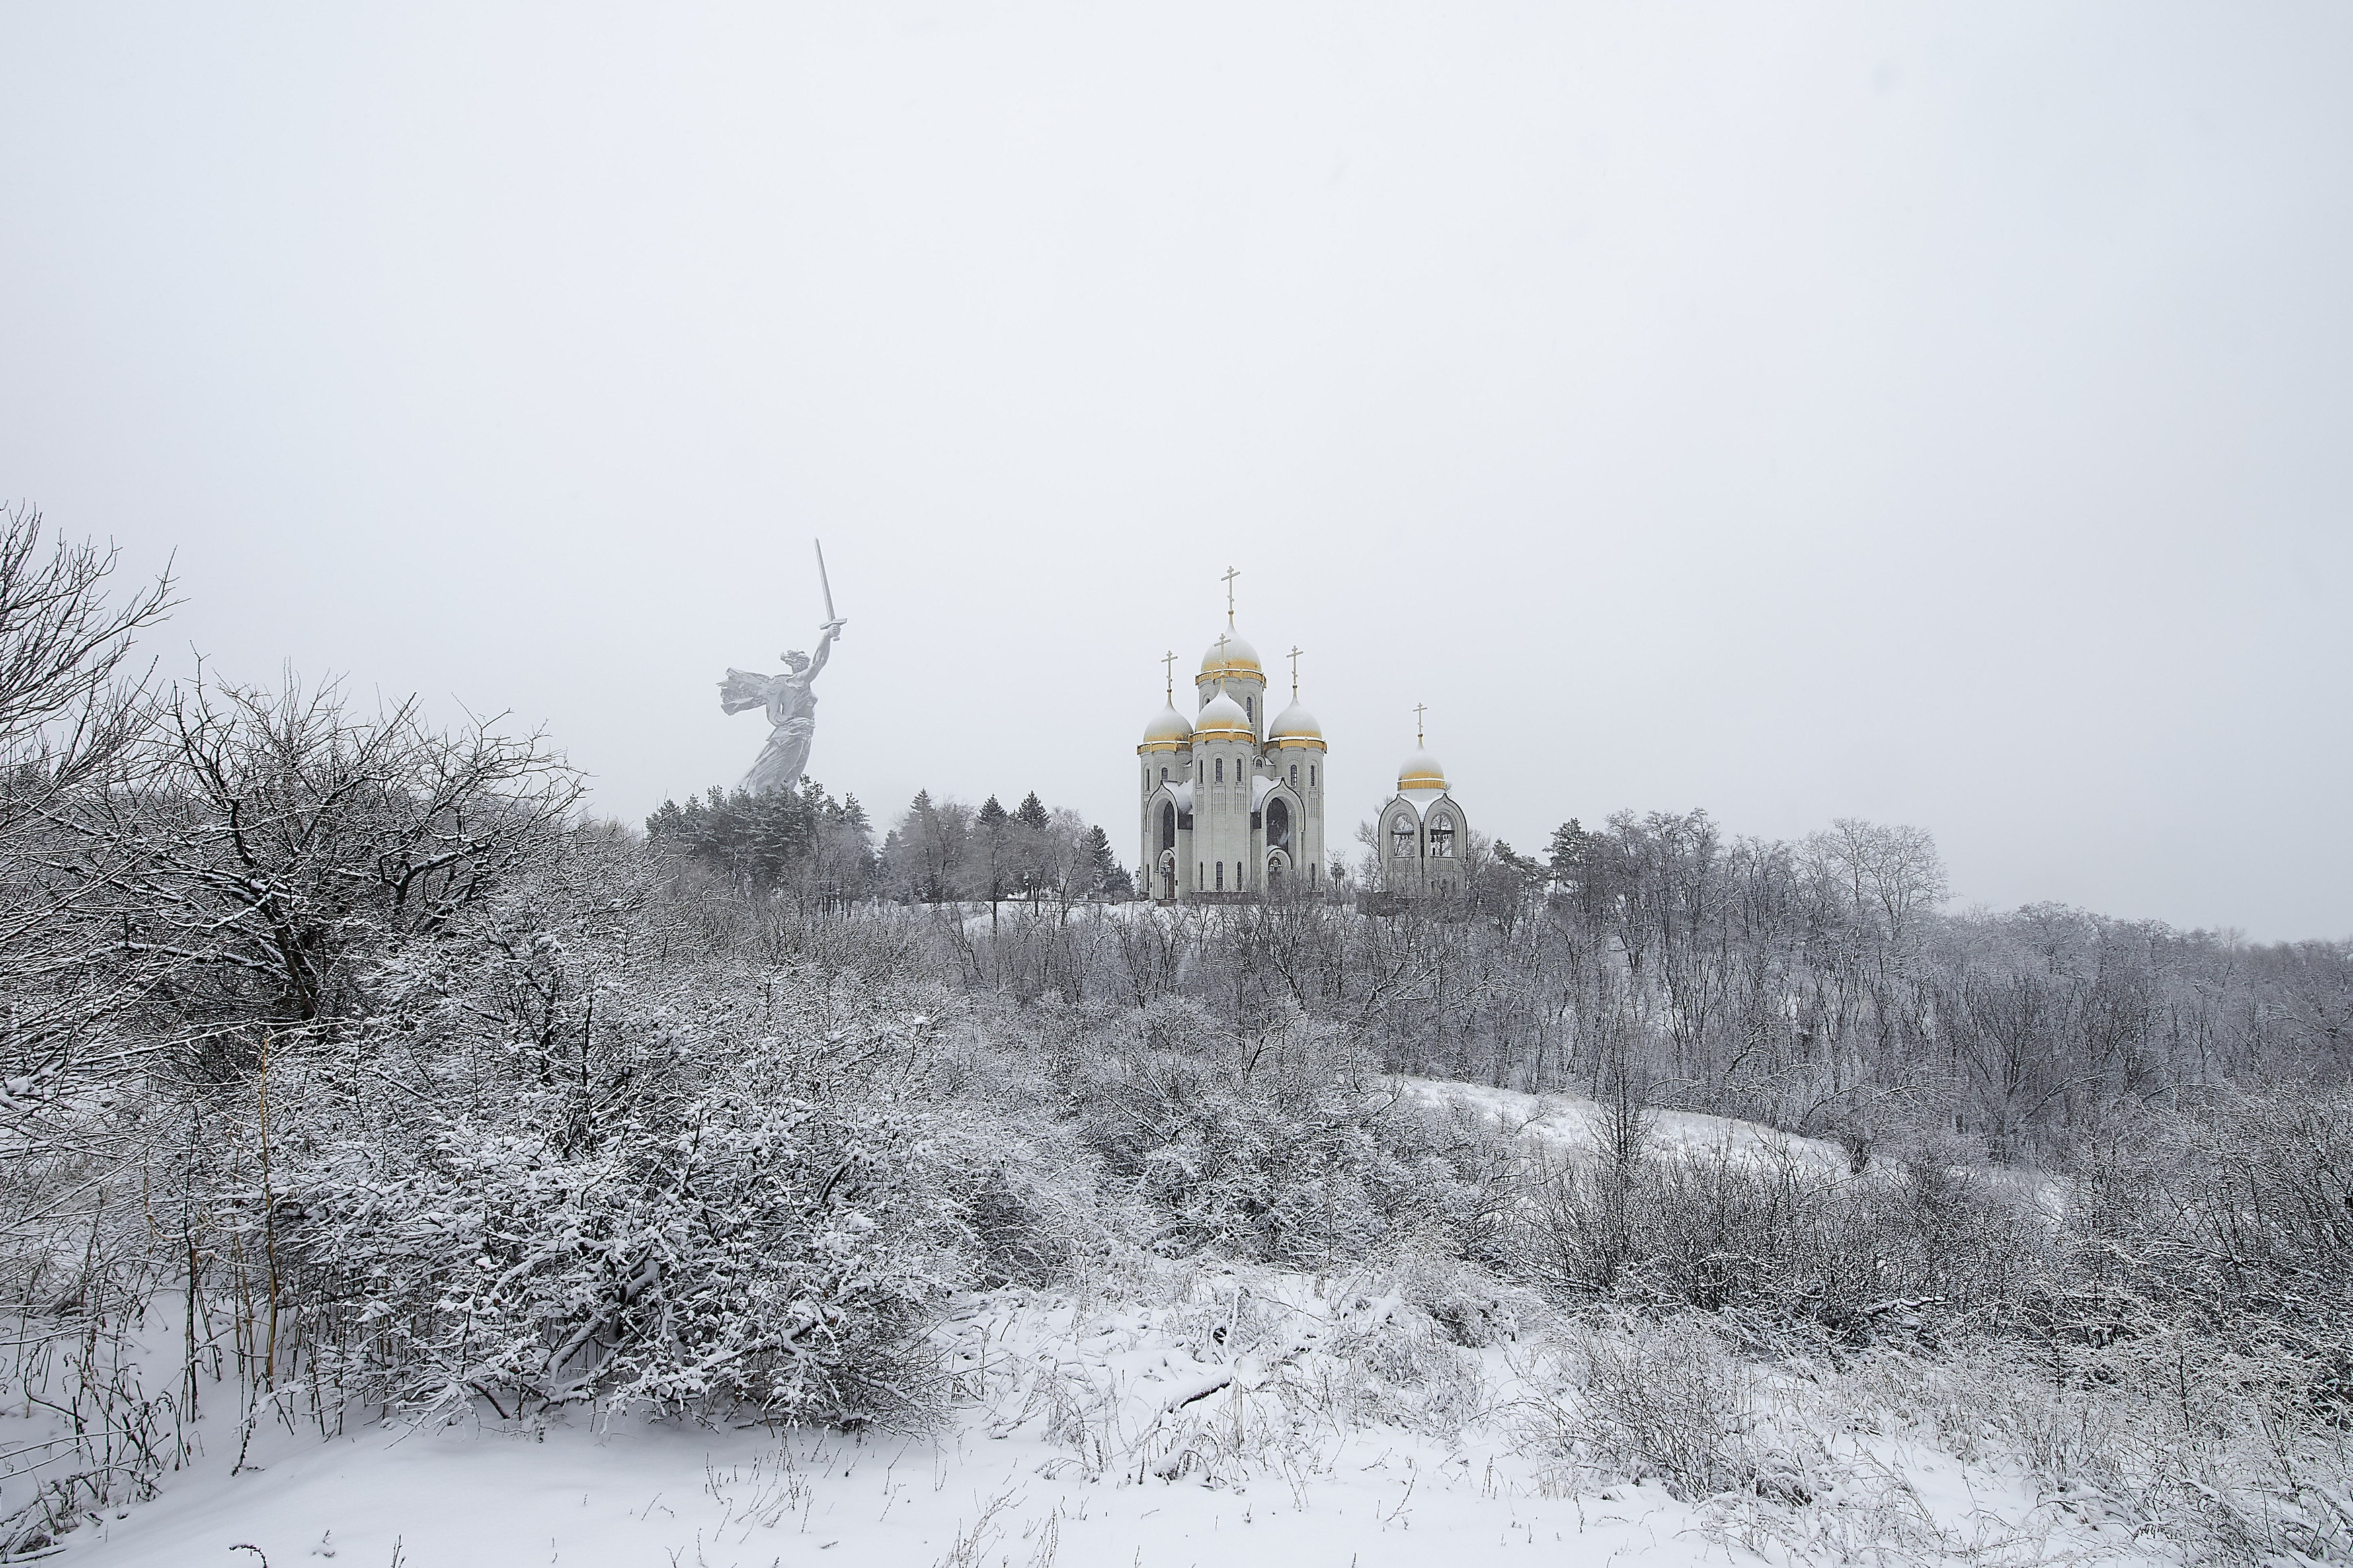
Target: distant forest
[808, 845]
[1818, 985]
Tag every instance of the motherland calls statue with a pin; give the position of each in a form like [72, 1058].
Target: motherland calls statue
[791, 705]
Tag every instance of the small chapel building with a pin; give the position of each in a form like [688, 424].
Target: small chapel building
[1424, 837]
[1231, 802]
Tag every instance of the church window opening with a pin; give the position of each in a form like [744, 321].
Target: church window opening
[1221, 876]
[1249, 708]
[1278, 825]
[1167, 825]
[1163, 775]
[1441, 837]
[1311, 775]
[1295, 775]
[1221, 770]
[1401, 837]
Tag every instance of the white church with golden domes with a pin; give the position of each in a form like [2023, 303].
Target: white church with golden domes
[1231, 802]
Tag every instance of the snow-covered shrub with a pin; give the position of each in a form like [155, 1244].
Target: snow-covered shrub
[1474, 1308]
[1775, 1244]
[1669, 1400]
[1277, 1143]
[675, 1187]
[2235, 1213]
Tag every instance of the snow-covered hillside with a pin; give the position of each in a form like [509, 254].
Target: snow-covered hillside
[1568, 1124]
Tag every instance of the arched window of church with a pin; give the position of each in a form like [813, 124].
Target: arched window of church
[1401, 837]
[1278, 825]
[1295, 775]
[1311, 775]
[1221, 770]
[1163, 775]
[1221, 876]
[1167, 825]
[1441, 837]
[1249, 708]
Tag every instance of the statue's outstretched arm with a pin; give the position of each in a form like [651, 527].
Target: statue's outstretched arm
[824, 648]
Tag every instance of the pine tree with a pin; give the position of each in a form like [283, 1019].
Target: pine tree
[993, 854]
[1565, 857]
[1104, 875]
[1031, 813]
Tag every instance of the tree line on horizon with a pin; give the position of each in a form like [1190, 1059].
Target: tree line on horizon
[806, 844]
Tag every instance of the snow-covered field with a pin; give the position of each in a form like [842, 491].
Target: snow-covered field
[1173, 1414]
[1568, 1124]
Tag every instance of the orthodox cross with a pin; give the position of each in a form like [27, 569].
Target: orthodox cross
[1231, 572]
[1418, 741]
[1295, 673]
[1222, 640]
[1169, 659]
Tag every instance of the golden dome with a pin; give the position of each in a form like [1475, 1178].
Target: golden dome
[1237, 659]
[1168, 731]
[1222, 719]
[1420, 770]
[1296, 723]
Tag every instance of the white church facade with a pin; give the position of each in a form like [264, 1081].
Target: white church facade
[1231, 801]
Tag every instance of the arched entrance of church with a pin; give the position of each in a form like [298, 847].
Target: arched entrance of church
[1168, 877]
[1278, 866]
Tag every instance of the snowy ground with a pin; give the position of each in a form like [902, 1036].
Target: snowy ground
[1175, 1413]
[1569, 1124]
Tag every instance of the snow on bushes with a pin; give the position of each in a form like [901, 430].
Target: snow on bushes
[1279, 1143]
[711, 1187]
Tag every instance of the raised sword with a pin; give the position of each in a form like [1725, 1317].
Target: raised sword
[827, 582]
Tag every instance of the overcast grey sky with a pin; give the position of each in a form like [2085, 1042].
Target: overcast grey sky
[1940, 415]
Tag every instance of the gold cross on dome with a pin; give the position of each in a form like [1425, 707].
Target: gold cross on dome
[1418, 741]
[1231, 572]
[1222, 641]
[1169, 659]
[1295, 673]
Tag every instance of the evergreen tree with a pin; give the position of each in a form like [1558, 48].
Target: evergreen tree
[994, 860]
[1566, 856]
[1105, 875]
[773, 839]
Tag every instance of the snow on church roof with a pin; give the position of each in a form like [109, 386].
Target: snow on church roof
[1420, 770]
[1168, 727]
[1222, 716]
[1297, 721]
[1236, 659]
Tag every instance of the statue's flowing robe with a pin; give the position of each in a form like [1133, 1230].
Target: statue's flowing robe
[793, 719]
